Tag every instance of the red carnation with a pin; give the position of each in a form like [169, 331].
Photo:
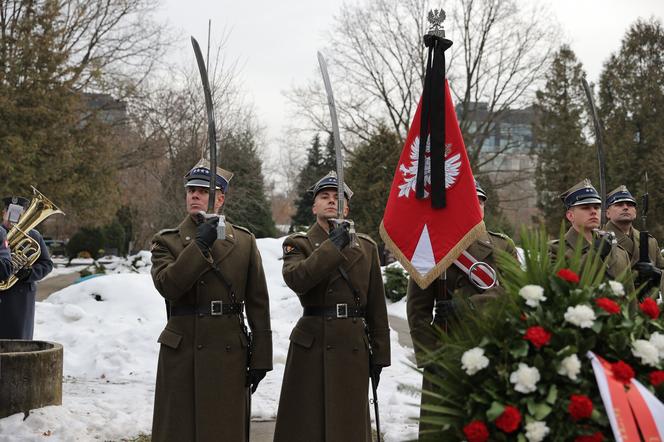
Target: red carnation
[476, 431]
[510, 420]
[622, 372]
[580, 406]
[568, 275]
[649, 307]
[537, 336]
[608, 305]
[656, 377]
[597, 437]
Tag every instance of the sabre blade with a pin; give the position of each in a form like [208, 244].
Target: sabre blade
[335, 136]
[600, 148]
[212, 130]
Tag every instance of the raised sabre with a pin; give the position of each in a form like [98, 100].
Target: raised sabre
[212, 140]
[341, 197]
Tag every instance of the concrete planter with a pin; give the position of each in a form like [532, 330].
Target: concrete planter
[30, 375]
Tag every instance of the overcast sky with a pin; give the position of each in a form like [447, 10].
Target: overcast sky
[276, 40]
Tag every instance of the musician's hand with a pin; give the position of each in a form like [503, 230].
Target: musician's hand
[206, 233]
[23, 273]
[340, 235]
[254, 377]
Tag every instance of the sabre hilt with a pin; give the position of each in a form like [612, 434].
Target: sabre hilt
[221, 226]
[351, 230]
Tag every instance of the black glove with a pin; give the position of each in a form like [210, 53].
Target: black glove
[339, 235]
[647, 271]
[23, 273]
[206, 233]
[602, 247]
[375, 371]
[254, 377]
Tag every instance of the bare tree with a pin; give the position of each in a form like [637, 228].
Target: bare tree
[501, 49]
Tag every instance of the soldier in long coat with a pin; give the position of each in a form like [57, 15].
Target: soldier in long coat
[17, 304]
[206, 361]
[324, 396]
[621, 213]
[583, 205]
[432, 309]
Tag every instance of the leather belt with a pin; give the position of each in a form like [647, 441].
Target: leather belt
[336, 311]
[216, 308]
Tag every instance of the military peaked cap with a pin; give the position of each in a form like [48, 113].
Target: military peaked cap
[199, 176]
[619, 195]
[480, 192]
[581, 193]
[329, 181]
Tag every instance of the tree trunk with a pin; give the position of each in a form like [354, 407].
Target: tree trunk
[30, 375]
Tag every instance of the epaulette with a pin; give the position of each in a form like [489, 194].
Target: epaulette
[367, 237]
[244, 229]
[164, 231]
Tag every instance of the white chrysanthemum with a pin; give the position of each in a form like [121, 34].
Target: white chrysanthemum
[657, 340]
[581, 315]
[617, 288]
[570, 367]
[525, 378]
[474, 360]
[646, 351]
[533, 294]
[536, 431]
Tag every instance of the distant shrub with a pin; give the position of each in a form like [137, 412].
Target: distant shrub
[396, 283]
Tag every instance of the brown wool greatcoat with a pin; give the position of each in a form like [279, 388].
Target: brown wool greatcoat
[200, 393]
[630, 243]
[324, 396]
[615, 264]
[420, 304]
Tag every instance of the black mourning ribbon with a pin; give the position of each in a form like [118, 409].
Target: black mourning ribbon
[432, 121]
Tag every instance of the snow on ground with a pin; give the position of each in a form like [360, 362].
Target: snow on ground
[109, 326]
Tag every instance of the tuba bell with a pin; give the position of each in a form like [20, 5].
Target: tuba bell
[25, 250]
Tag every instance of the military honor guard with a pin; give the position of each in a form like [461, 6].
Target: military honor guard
[584, 207]
[432, 309]
[343, 334]
[621, 213]
[17, 301]
[209, 359]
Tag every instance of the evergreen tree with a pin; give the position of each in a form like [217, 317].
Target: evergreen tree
[318, 164]
[370, 173]
[246, 202]
[563, 156]
[632, 109]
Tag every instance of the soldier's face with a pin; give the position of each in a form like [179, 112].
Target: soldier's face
[197, 200]
[482, 201]
[325, 205]
[623, 211]
[584, 216]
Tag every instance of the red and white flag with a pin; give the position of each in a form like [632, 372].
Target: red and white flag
[427, 240]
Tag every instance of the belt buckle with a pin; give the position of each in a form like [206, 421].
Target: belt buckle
[342, 310]
[216, 308]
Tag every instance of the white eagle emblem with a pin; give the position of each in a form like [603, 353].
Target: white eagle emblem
[452, 168]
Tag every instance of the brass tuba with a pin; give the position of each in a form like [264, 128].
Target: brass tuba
[25, 249]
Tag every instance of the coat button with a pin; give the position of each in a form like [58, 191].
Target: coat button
[228, 348]
[200, 315]
[187, 238]
[329, 292]
[329, 347]
[199, 346]
[329, 318]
